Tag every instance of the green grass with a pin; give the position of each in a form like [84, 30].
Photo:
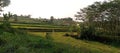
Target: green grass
[95, 47]
[20, 42]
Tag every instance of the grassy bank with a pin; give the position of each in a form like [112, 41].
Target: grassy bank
[94, 47]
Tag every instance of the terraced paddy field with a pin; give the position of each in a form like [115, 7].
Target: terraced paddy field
[96, 47]
[41, 28]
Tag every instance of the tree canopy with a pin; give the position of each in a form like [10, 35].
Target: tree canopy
[4, 3]
[105, 15]
[101, 11]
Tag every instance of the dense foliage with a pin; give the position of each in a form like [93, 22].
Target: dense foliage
[101, 21]
[4, 3]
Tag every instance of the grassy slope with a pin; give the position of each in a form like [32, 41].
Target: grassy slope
[85, 45]
[26, 43]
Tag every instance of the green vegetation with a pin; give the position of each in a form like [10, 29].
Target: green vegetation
[101, 22]
[98, 33]
[83, 46]
[19, 41]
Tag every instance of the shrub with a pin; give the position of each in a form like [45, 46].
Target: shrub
[87, 32]
[66, 34]
[92, 34]
[48, 35]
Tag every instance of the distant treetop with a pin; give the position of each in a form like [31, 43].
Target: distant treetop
[4, 3]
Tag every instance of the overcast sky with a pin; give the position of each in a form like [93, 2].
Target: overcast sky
[47, 8]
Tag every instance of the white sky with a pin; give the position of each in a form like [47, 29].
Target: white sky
[47, 8]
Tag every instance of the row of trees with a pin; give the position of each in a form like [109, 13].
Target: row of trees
[27, 19]
[100, 18]
[62, 21]
[103, 15]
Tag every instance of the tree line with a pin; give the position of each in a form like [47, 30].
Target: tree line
[100, 21]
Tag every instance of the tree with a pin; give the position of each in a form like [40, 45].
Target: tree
[68, 19]
[4, 3]
[51, 19]
[103, 15]
[15, 17]
[6, 23]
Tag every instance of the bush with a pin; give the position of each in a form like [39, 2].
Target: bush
[49, 35]
[87, 32]
[92, 34]
[66, 34]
